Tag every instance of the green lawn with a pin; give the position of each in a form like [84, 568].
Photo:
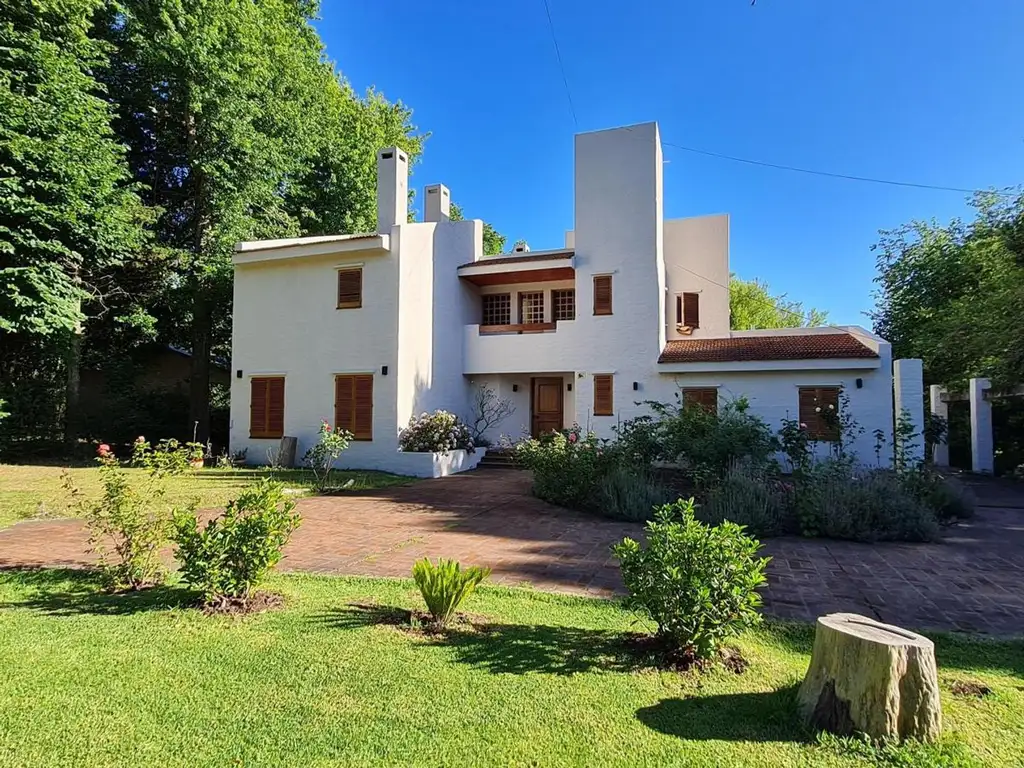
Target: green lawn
[137, 679]
[28, 490]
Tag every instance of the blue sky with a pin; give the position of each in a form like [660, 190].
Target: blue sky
[916, 90]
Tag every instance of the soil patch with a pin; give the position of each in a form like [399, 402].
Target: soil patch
[415, 622]
[258, 602]
[970, 689]
[660, 653]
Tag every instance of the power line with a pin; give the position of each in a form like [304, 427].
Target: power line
[561, 66]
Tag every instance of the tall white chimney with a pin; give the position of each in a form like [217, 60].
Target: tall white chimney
[439, 202]
[392, 188]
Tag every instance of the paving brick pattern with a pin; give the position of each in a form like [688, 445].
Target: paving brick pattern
[970, 582]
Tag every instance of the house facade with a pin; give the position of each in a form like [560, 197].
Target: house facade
[366, 331]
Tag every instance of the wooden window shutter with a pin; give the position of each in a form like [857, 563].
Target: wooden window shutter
[819, 427]
[353, 405]
[350, 288]
[603, 401]
[691, 310]
[266, 407]
[602, 294]
[679, 309]
[703, 397]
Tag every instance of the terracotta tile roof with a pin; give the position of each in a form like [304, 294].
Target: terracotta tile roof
[548, 256]
[812, 346]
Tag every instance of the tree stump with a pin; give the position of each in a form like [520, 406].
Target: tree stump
[871, 678]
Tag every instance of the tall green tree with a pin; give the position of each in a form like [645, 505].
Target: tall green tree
[68, 216]
[494, 241]
[752, 306]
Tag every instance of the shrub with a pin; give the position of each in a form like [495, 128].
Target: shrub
[946, 497]
[127, 526]
[841, 502]
[324, 452]
[567, 466]
[444, 586]
[698, 583]
[628, 493]
[228, 557]
[435, 432]
[750, 497]
[167, 456]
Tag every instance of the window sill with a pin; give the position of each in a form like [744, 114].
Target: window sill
[518, 328]
[350, 305]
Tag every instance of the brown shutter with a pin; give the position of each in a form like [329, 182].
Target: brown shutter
[363, 407]
[266, 407]
[679, 309]
[603, 402]
[344, 400]
[691, 310]
[812, 398]
[602, 294]
[350, 288]
[704, 397]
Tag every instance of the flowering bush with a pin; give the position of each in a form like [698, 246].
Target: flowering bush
[567, 466]
[435, 432]
[167, 455]
[321, 456]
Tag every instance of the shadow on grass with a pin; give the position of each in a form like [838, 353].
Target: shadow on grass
[754, 717]
[64, 592]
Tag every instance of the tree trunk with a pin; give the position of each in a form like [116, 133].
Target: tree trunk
[199, 376]
[72, 389]
[871, 678]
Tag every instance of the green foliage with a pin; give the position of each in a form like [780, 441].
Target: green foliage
[567, 466]
[446, 585]
[946, 497]
[906, 441]
[324, 452]
[435, 432]
[167, 456]
[698, 583]
[750, 496]
[127, 526]
[630, 493]
[751, 306]
[229, 556]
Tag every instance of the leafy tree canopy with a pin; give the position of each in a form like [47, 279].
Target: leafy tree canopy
[752, 306]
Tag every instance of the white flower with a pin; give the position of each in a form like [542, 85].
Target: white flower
[817, 409]
[831, 407]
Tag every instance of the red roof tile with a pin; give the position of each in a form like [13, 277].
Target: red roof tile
[549, 256]
[811, 346]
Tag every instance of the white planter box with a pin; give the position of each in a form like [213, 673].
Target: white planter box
[435, 464]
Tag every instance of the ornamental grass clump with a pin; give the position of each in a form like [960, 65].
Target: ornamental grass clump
[446, 585]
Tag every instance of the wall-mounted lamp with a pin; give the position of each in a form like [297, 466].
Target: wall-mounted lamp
[636, 385]
[383, 370]
[568, 387]
[860, 383]
[515, 387]
[238, 373]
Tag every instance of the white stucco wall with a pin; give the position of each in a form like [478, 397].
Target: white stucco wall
[697, 261]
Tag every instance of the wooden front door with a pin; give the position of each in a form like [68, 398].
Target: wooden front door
[545, 405]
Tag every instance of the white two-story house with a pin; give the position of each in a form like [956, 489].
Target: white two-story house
[367, 330]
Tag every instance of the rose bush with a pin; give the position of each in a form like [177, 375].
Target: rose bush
[435, 432]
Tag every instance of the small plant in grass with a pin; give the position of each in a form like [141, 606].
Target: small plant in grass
[127, 525]
[226, 559]
[444, 586]
[697, 582]
[167, 456]
[324, 452]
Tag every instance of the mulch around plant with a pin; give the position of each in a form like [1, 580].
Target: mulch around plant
[970, 689]
[258, 602]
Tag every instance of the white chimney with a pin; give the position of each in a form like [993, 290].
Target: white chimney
[439, 203]
[521, 246]
[392, 188]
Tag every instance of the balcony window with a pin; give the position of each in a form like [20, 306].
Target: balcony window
[531, 307]
[563, 303]
[497, 309]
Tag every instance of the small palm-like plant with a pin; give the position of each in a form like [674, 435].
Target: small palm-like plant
[444, 586]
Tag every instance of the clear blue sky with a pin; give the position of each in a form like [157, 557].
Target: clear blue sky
[918, 90]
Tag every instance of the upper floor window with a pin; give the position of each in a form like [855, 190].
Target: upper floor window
[531, 307]
[497, 309]
[350, 288]
[266, 406]
[688, 309]
[819, 410]
[563, 304]
[602, 294]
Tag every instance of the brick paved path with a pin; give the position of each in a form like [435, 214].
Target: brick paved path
[971, 582]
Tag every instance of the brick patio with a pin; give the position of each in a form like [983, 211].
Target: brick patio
[971, 582]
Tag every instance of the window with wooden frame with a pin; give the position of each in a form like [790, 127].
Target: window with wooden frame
[604, 404]
[353, 404]
[688, 309]
[531, 307]
[819, 410]
[563, 304]
[266, 407]
[497, 309]
[701, 397]
[602, 294]
[350, 288]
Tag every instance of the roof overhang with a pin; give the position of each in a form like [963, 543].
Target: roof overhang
[536, 268]
[760, 366]
[303, 247]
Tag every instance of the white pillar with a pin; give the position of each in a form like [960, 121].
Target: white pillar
[908, 389]
[941, 409]
[982, 451]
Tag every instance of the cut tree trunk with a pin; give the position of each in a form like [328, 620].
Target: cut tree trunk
[872, 678]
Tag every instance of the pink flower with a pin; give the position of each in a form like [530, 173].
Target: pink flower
[572, 437]
[103, 451]
[140, 439]
[802, 425]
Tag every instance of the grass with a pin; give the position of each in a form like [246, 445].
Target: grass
[138, 679]
[36, 490]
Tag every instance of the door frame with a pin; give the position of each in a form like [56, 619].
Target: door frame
[534, 382]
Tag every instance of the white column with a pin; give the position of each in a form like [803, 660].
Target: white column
[908, 389]
[941, 409]
[982, 451]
